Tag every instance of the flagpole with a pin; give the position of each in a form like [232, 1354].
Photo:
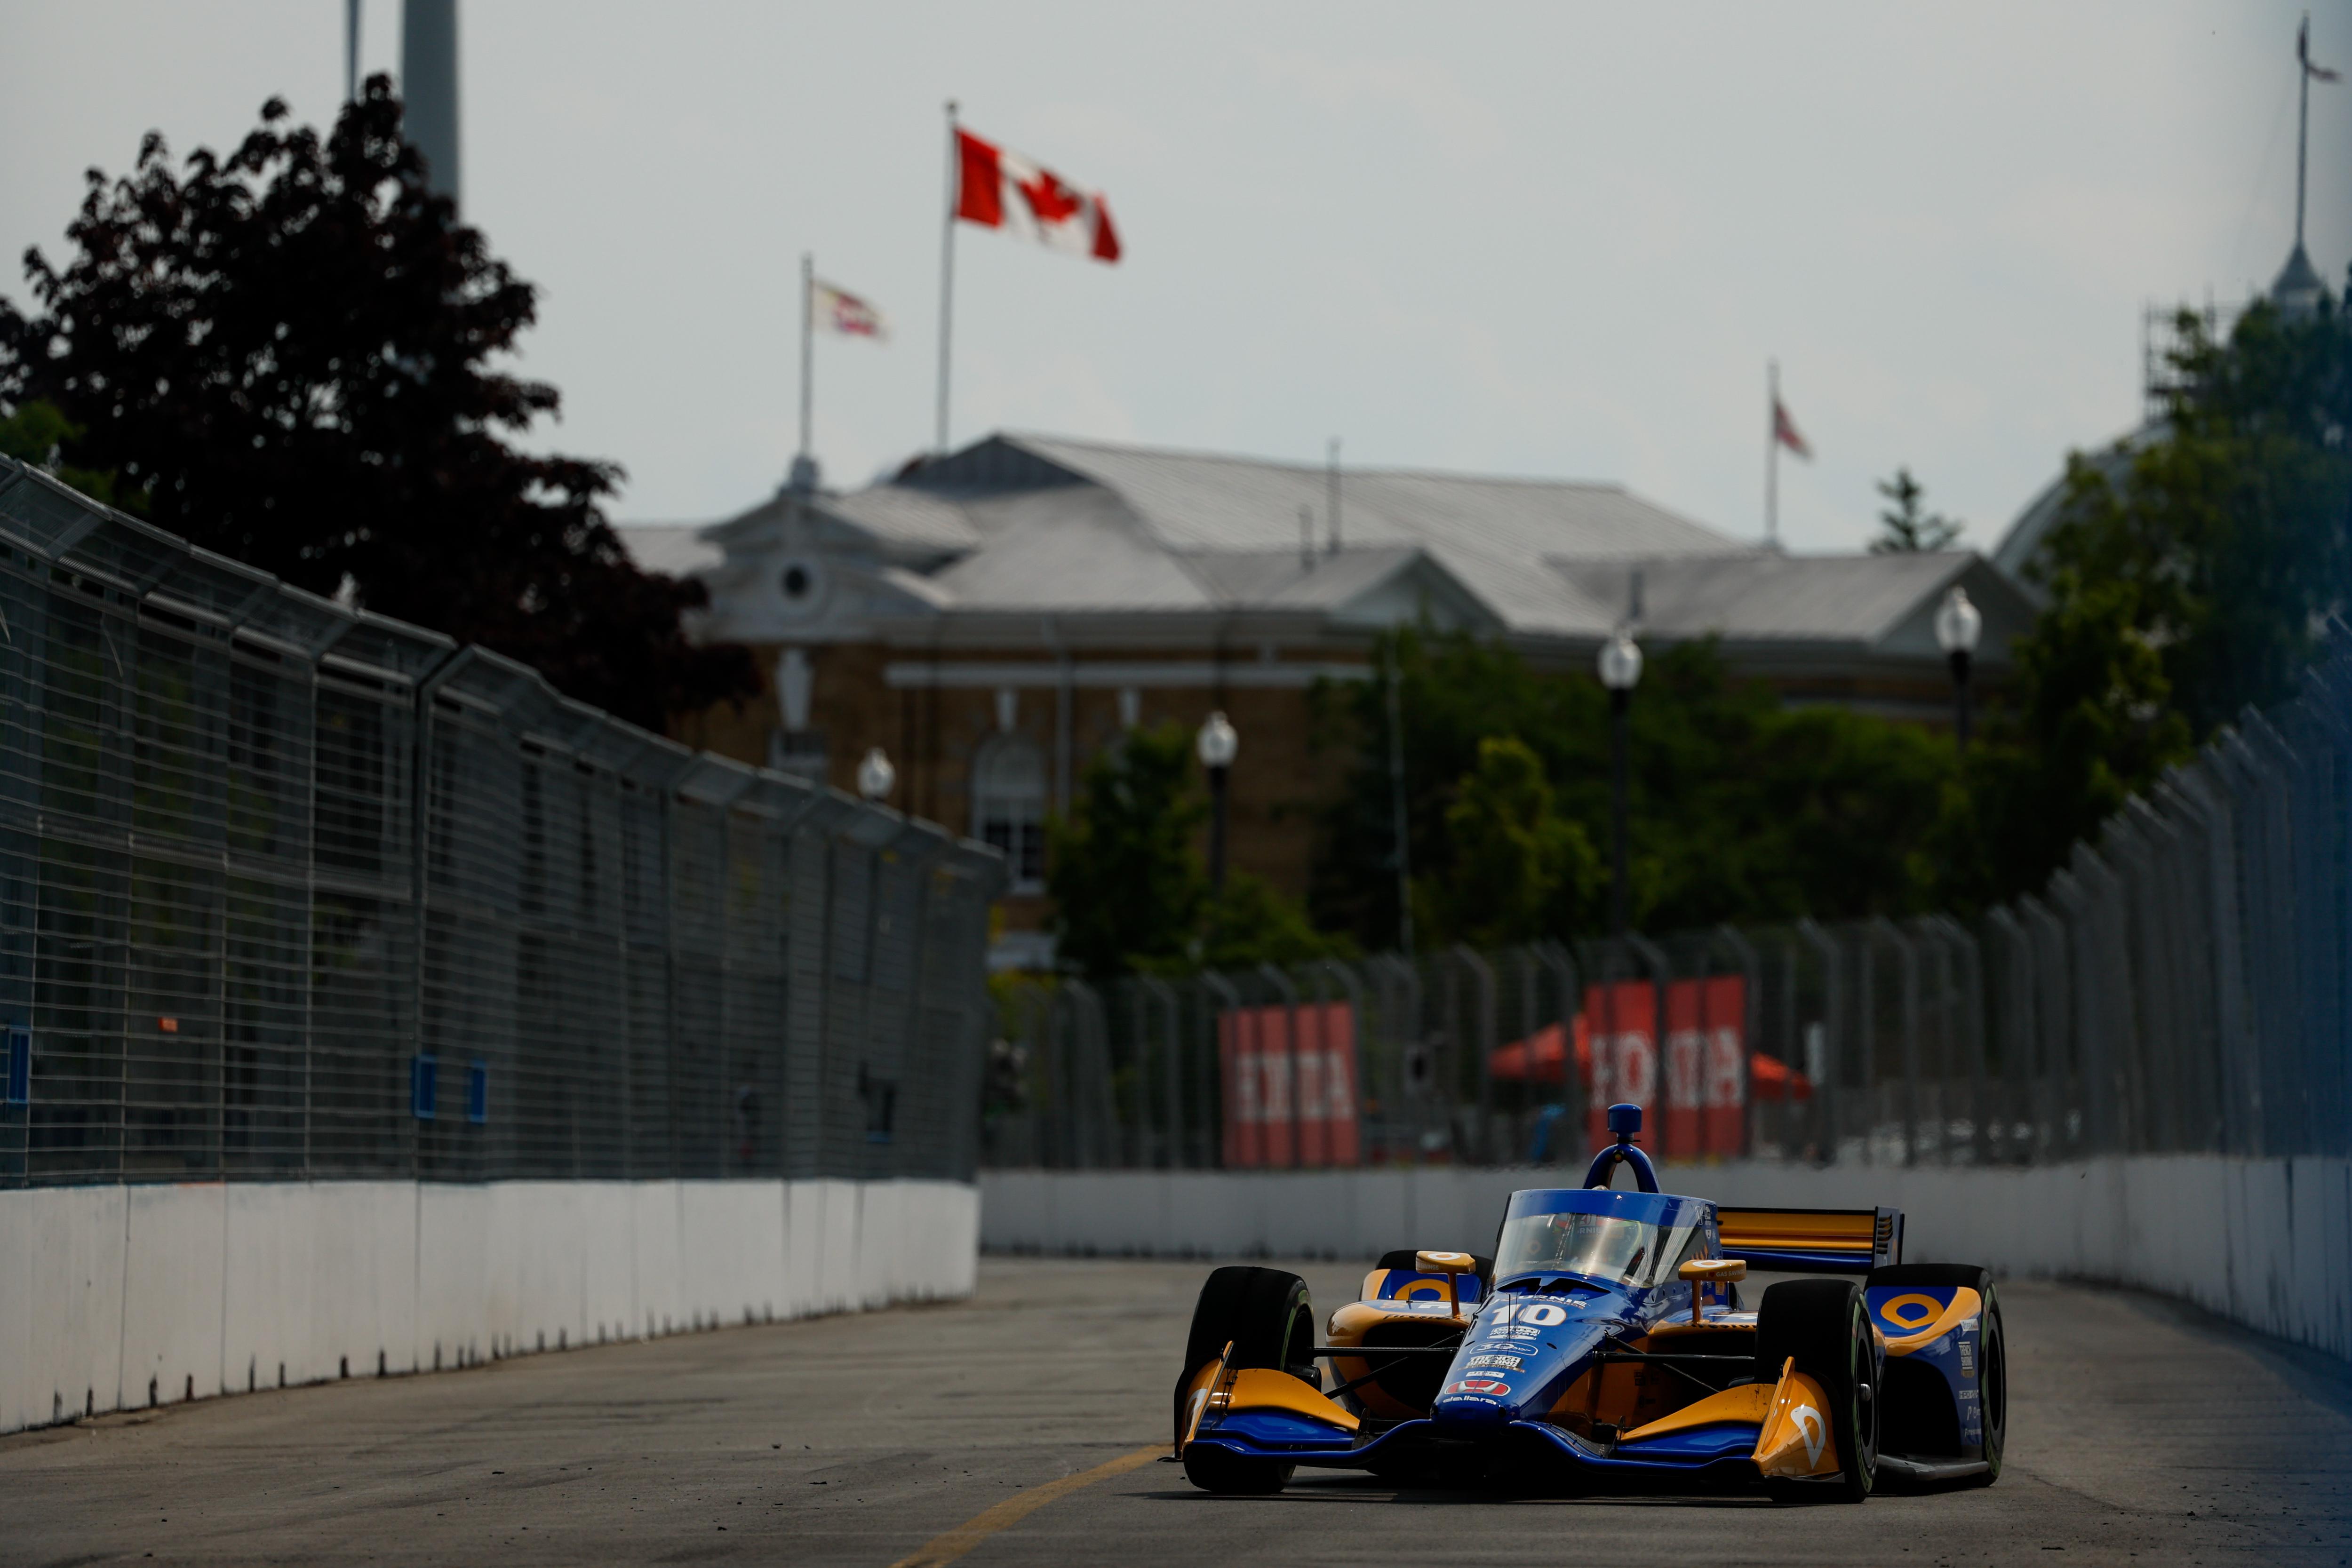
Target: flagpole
[2302, 126]
[1772, 454]
[808, 357]
[947, 282]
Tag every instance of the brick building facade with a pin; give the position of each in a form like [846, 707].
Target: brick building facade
[993, 619]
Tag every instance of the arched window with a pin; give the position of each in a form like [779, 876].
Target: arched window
[1008, 806]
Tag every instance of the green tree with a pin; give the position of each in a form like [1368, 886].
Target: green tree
[2090, 723]
[1905, 528]
[2233, 531]
[291, 355]
[37, 433]
[1740, 809]
[1517, 870]
[1127, 883]
[2183, 585]
[1249, 924]
[1129, 888]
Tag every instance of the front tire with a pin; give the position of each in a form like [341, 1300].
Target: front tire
[1266, 1315]
[1228, 1475]
[1824, 1324]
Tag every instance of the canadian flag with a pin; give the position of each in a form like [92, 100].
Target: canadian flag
[997, 188]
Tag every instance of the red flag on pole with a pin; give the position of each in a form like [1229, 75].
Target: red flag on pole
[1784, 431]
[997, 188]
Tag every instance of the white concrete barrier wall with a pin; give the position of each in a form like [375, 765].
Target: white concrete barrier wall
[111, 1297]
[2267, 1243]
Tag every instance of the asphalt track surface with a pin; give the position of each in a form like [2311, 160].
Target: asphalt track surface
[1015, 1428]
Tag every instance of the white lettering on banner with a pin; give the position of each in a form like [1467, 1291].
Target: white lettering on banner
[1624, 1068]
[1263, 1085]
[1724, 1081]
[1682, 1068]
[1273, 1090]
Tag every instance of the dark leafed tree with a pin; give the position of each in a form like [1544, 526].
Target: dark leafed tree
[293, 355]
[1905, 527]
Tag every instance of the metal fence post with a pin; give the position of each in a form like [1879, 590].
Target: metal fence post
[1825, 1084]
[1228, 1002]
[1482, 1040]
[1566, 1143]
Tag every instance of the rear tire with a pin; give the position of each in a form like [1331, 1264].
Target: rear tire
[1992, 1349]
[1265, 1316]
[1824, 1324]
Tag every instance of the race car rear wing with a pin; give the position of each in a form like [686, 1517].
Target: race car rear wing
[1818, 1241]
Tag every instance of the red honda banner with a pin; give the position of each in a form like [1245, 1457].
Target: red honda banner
[1706, 1090]
[1703, 1072]
[1621, 1021]
[1290, 1085]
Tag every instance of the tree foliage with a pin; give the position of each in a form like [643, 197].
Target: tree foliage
[2231, 533]
[1128, 887]
[1740, 809]
[36, 431]
[1905, 527]
[1518, 870]
[2184, 586]
[292, 355]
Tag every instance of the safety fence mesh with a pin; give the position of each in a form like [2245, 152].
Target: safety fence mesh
[2179, 986]
[288, 891]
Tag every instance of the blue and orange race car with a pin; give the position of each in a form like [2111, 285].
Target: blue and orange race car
[1604, 1344]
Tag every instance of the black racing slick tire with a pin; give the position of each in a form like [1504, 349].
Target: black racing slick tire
[1992, 1348]
[1265, 1316]
[1229, 1475]
[1824, 1324]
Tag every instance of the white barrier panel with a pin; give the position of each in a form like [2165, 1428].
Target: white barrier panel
[2267, 1243]
[114, 1297]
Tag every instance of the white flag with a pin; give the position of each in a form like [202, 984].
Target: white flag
[838, 310]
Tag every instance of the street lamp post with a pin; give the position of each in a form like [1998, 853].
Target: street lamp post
[1621, 671]
[1958, 624]
[1216, 744]
[876, 775]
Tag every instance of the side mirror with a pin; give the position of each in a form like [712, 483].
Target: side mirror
[1451, 1265]
[1703, 1271]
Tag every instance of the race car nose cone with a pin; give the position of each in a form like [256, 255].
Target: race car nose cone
[1473, 1407]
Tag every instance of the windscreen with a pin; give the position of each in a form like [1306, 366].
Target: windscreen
[1597, 1245]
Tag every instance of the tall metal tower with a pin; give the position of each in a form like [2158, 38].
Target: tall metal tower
[428, 86]
[2298, 290]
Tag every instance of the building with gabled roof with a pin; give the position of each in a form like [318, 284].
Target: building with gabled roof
[993, 617]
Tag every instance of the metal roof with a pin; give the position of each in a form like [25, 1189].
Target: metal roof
[1019, 524]
[1880, 602]
[674, 549]
[1492, 535]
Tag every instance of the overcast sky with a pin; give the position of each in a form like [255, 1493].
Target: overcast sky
[1543, 239]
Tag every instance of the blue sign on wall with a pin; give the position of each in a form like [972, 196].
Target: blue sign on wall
[424, 1086]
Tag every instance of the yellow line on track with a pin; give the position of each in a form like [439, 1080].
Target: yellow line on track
[1013, 1509]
